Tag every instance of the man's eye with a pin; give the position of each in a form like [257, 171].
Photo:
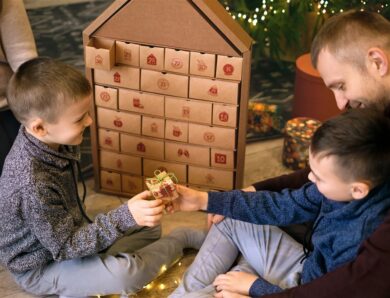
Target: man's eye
[340, 87]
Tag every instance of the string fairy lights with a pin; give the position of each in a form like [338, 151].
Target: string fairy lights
[268, 8]
[277, 23]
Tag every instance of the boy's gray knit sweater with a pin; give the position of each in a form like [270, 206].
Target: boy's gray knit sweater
[40, 221]
[339, 227]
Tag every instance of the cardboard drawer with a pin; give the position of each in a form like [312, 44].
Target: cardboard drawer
[225, 115]
[100, 53]
[214, 90]
[121, 162]
[110, 180]
[121, 121]
[140, 102]
[121, 76]
[164, 83]
[177, 61]
[196, 155]
[106, 97]
[179, 170]
[153, 127]
[210, 177]
[151, 57]
[188, 110]
[229, 68]
[142, 146]
[219, 137]
[222, 158]
[127, 53]
[132, 184]
[202, 64]
[176, 130]
[108, 139]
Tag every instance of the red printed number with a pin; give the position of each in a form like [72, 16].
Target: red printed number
[220, 158]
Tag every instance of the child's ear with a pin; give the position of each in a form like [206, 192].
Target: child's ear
[360, 190]
[37, 127]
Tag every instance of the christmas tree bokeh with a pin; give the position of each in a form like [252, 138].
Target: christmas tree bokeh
[285, 28]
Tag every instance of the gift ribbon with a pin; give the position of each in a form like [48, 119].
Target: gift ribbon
[160, 179]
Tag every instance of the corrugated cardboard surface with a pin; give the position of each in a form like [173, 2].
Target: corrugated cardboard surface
[170, 23]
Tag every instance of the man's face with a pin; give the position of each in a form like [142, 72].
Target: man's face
[69, 128]
[352, 87]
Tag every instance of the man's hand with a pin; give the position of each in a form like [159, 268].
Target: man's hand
[249, 189]
[227, 294]
[235, 282]
[145, 212]
[189, 200]
[216, 218]
[213, 219]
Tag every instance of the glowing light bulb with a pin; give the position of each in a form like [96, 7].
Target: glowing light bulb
[148, 286]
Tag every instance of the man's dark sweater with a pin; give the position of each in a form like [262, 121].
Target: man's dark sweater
[366, 276]
[40, 220]
[339, 226]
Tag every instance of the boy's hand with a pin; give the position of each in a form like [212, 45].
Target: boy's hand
[235, 282]
[189, 200]
[145, 212]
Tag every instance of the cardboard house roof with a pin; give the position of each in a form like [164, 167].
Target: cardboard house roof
[196, 25]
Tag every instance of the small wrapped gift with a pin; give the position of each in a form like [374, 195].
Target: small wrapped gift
[162, 186]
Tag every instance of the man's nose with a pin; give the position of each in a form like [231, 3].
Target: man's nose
[341, 101]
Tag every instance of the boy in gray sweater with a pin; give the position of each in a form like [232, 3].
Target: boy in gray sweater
[46, 240]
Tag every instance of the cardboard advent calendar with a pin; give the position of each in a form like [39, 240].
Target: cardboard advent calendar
[171, 83]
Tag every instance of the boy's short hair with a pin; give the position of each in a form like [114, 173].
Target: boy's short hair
[359, 139]
[42, 87]
[349, 35]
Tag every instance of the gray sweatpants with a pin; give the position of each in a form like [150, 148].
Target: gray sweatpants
[131, 263]
[272, 254]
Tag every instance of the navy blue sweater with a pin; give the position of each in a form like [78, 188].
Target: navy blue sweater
[340, 227]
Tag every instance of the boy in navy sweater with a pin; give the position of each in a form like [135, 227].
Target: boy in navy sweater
[347, 199]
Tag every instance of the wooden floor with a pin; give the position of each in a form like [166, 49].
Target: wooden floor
[263, 160]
